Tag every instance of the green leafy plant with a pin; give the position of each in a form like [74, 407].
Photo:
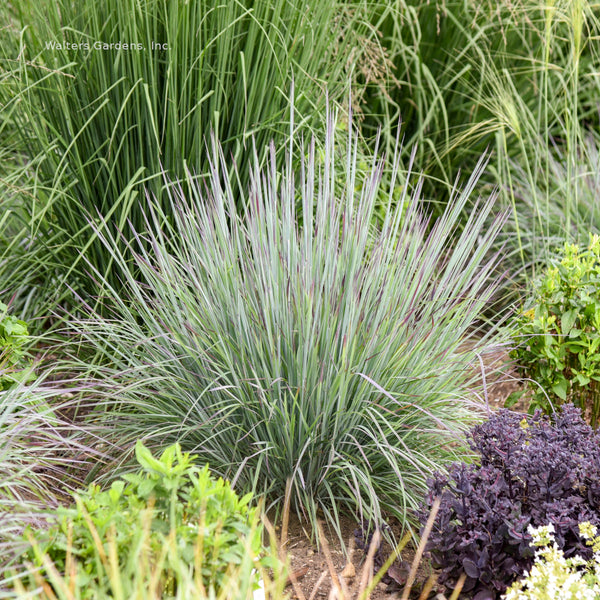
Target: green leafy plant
[14, 338]
[140, 572]
[556, 577]
[329, 354]
[169, 498]
[558, 334]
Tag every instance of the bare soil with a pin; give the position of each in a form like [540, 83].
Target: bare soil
[313, 569]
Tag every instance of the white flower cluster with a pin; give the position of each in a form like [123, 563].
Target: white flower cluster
[554, 577]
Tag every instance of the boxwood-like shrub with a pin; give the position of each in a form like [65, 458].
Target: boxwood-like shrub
[558, 333]
[533, 470]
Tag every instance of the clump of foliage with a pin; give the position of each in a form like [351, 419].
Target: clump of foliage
[326, 351]
[532, 470]
[14, 367]
[169, 498]
[560, 332]
[555, 577]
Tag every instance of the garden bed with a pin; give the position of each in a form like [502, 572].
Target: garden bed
[313, 568]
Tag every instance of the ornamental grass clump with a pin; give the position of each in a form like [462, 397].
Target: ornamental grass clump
[558, 334]
[517, 77]
[532, 471]
[317, 348]
[98, 99]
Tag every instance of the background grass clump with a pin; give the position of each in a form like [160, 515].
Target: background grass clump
[90, 124]
[518, 79]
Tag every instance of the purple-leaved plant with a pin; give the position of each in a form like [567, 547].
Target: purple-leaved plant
[532, 469]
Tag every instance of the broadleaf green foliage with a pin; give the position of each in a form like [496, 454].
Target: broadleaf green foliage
[169, 496]
[98, 125]
[558, 335]
[329, 354]
[14, 338]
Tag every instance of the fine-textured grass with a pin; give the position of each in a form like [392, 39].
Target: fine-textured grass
[91, 128]
[438, 52]
[444, 53]
[546, 150]
[519, 78]
[543, 209]
[327, 354]
[30, 444]
[42, 456]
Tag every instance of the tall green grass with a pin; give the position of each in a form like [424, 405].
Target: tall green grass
[546, 151]
[98, 126]
[437, 53]
[547, 213]
[519, 78]
[329, 354]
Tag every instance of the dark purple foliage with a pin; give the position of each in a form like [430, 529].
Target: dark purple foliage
[363, 538]
[533, 470]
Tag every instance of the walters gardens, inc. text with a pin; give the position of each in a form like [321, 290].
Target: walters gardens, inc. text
[54, 45]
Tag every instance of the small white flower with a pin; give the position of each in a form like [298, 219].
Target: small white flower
[554, 577]
[259, 593]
